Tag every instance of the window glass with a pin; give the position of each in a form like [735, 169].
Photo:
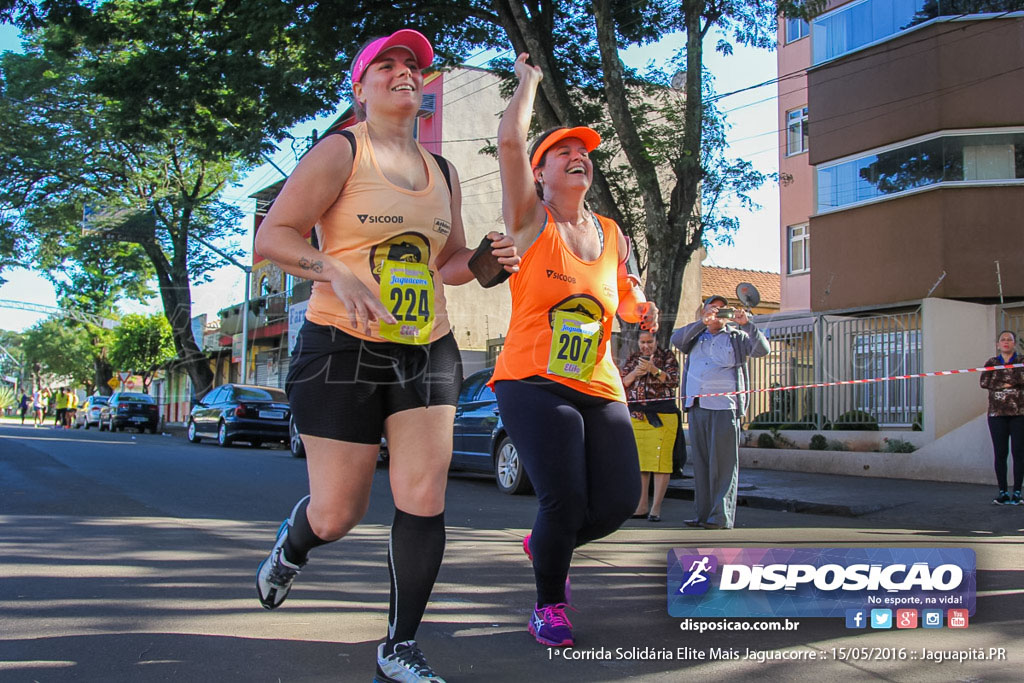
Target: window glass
[946, 159]
[798, 248]
[486, 394]
[796, 29]
[796, 131]
[472, 385]
[135, 398]
[259, 394]
[857, 24]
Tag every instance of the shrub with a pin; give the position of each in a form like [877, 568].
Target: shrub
[918, 423]
[897, 446]
[765, 441]
[819, 442]
[837, 445]
[7, 397]
[781, 441]
[856, 420]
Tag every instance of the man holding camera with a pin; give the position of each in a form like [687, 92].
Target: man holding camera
[717, 347]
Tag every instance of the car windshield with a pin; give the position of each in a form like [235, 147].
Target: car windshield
[258, 394]
[135, 398]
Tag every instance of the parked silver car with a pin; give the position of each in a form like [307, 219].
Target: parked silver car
[88, 414]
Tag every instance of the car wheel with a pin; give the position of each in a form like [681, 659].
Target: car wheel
[222, 435]
[256, 443]
[191, 432]
[99, 425]
[508, 469]
[86, 426]
[153, 429]
[295, 444]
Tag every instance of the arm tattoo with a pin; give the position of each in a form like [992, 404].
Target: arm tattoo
[315, 266]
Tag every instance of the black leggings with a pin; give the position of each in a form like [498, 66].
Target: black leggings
[580, 454]
[1003, 429]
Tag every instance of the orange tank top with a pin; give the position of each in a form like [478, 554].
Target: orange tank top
[378, 229]
[562, 312]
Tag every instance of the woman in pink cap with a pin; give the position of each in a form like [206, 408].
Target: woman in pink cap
[376, 354]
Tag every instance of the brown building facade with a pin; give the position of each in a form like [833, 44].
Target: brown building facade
[917, 146]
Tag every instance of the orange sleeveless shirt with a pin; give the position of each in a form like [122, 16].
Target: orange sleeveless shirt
[553, 280]
[374, 220]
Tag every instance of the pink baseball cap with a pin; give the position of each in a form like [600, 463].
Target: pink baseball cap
[414, 41]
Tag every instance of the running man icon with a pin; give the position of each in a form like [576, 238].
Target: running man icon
[697, 570]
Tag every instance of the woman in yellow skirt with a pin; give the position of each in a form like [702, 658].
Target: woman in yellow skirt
[651, 376]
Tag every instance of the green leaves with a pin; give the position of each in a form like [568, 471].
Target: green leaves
[142, 344]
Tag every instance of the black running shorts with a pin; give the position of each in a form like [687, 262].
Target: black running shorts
[342, 387]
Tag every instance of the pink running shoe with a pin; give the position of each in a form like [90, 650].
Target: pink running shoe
[550, 626]
[568, 583]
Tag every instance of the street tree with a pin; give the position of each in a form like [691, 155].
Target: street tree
[156, 192]
[142, 344]
[58, 353]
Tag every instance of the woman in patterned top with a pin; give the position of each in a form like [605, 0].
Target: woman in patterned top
[651, 377]
[1006, 415]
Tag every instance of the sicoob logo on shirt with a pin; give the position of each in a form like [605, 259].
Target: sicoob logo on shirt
[367, 218]
[409, 247]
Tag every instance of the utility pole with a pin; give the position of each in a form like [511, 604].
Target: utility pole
[245, 307]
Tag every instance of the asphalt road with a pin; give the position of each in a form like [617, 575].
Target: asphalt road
[132, 558]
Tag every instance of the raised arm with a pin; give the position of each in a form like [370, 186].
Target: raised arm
[311, 189]
[520, 206]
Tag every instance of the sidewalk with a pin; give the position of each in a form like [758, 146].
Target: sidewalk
[844, 496]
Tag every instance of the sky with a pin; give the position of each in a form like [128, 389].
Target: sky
[753, 136]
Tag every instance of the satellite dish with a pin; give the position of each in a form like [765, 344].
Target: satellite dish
[679, 79]
[748, 294]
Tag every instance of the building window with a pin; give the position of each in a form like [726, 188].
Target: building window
[954, 159]
[796, 29]
[796, 131]
[798, 249]
[860, 23]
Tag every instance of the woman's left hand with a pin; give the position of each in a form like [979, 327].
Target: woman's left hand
[504, 249]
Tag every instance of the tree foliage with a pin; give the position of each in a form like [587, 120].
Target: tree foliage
[59, 353]
[141, 345]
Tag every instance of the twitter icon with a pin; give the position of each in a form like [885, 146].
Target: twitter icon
[881, 618]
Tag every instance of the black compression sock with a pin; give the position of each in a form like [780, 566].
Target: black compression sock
[300, 539]
[415, 550]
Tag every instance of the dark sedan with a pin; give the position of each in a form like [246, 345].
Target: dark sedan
[481, 443]
[128, 409]
[240, 412]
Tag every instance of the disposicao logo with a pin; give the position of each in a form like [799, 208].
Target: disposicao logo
[823, 582]
[697, 581]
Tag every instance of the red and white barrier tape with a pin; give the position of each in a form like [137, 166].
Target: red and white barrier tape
[844, 382]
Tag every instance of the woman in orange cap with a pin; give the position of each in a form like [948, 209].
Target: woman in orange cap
[559, 392]
[376, 354]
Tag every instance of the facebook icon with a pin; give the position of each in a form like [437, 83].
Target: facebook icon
[856, 618]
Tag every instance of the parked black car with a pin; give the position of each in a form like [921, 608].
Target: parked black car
[241, 412]
[298, 448]
[481, 443]
[128, 409]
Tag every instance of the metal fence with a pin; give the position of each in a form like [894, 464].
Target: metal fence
[830, 348]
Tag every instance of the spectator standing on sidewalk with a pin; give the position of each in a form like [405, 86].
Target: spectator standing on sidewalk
[717, 348]
[1006, 415]
[23, 405]
[651, 377]
[72, 409]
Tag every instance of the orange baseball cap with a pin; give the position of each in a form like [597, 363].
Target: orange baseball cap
[590, 137]
[413, 41]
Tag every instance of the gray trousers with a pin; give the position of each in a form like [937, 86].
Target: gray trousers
[714, 447]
